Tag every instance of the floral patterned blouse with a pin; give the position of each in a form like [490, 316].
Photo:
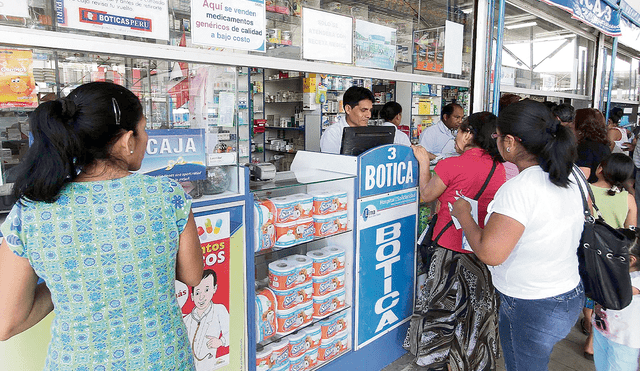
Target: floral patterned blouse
[107, 251]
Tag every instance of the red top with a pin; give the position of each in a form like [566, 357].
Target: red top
[465, 173]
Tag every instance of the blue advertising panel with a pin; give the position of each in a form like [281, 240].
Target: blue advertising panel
[386, 169]
[595, 13]
[178, 154]
[385, 282]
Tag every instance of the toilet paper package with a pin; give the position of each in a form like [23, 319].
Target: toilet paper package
[300, 294]
[322, 263]
[290, 320]
[286, 234]
[328, 349]
[297, 363]
[265, 315]
[304, 264]
[305, 230]
[305, 204]
[323, 285]
[288, 209]
[341, 321]
[311, 358]
[263, 359]
[313, 336]
[283, 275]
[327, 304]
[342, 340]
[327, 202]
[297, 344]
[337, 256]
[280, 353]
[326, 225]
[265, 230]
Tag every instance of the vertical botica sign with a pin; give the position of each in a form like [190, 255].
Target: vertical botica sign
[386, 239]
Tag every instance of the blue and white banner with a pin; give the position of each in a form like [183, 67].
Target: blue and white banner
[595, 13]
[386, 169]
[385, 282]
[176, 153]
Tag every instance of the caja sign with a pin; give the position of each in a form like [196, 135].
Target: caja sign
[385, 284]
[386, 169]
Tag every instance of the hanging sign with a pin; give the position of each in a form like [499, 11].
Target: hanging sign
[15, 8]
[386, 240]
[214, 311]
[176, 153]
[387, 168]
[375, 45]
[142, 18]
[326, 36]
[235, 24]
[595, 13]
[17, 85]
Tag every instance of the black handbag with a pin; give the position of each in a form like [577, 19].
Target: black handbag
[427, 242]
[603, 256]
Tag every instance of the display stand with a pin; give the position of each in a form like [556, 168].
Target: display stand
[382, 201]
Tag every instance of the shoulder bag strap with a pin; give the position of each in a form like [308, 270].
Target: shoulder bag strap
[484, 186]
[582, 180]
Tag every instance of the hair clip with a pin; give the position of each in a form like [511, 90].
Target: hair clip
[116, 110]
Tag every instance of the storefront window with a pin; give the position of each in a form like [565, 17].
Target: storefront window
[626, 81]
[541, 55]
[409, 37]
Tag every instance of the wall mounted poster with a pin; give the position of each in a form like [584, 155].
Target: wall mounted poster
[142, 18]
[235, 24]
[327, 36]
[15, 8]
[17, 85]
[375, 45]
[214, 310]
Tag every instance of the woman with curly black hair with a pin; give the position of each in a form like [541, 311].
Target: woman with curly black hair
[593, 144]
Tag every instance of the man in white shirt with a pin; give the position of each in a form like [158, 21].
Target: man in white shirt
[208, 323]
[439, 139]
[357, 103]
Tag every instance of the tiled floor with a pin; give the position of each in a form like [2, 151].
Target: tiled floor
[566, 356]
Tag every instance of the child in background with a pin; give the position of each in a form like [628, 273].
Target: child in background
[616, 342]
[615, 199]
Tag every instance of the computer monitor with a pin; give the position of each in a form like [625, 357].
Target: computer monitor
[356, 140]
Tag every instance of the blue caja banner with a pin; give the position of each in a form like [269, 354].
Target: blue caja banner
[176, 153]
[386, 169]
[386, 240]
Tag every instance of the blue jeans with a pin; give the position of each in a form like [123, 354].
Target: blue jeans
[610, 356]
[530, 328]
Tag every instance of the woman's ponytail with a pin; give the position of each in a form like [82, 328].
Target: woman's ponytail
[617, 170]
[542, 136]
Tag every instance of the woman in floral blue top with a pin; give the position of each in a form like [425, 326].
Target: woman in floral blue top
[107, 243]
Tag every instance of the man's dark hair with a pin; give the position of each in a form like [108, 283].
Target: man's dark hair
[448, 109]
[355, 94]
[206, 273]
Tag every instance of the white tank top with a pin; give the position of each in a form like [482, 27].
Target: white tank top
[623, 139]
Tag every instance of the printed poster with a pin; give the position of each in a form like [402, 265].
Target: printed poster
[176, 153]
[327, 36]
[17, 85]
[386, 240]
[236, 24]
[375, 45]
[142, 18]
[214, 310]
[15, 8]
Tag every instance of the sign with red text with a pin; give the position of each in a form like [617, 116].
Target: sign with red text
[235, 24]
[142, 18]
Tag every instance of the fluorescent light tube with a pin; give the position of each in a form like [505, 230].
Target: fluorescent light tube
[520, 25]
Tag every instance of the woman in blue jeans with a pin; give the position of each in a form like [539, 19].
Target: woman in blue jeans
[531, 236]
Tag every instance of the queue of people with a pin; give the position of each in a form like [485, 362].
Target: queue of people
[507, 279]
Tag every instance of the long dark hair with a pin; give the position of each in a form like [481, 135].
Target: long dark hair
[617, 170]
[482, 125]
[72, 133]
[542, 136]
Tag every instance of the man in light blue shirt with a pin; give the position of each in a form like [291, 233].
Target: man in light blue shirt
[439, 139]
[357, 103]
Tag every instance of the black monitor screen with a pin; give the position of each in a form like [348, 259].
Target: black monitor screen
[356, 140]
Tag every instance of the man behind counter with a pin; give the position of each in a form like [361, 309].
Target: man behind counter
[439, 139]
[357, 103]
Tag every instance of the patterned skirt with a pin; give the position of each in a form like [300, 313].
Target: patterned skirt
[455, 320]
